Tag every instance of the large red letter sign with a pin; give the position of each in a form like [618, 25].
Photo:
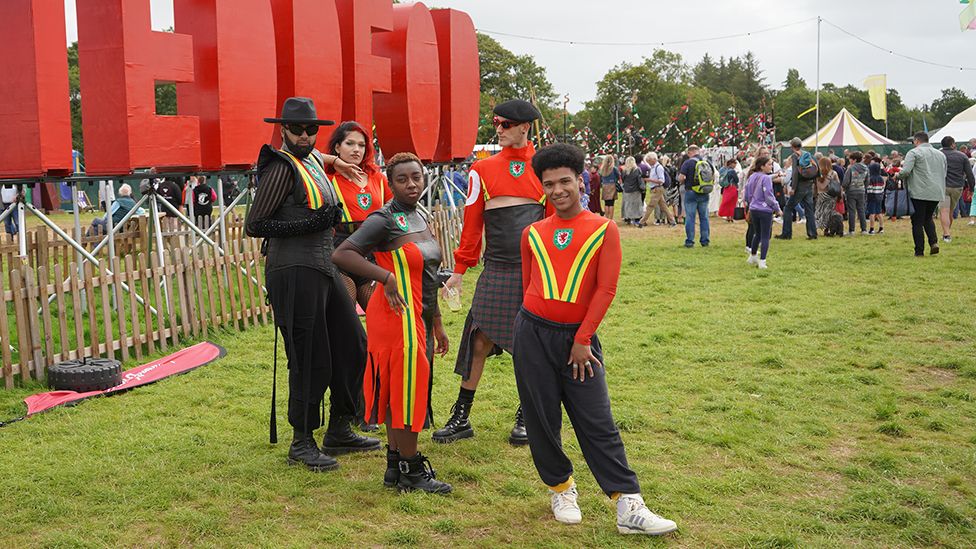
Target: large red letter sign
[309, 51]
[365, 73]
[460, 84]
[409, 119]
[35, 120]
[234, 83]
[120, 59]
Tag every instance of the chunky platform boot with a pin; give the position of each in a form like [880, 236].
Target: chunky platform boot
[417, 474]
[392, 474]
[304, 451]
[458, 426]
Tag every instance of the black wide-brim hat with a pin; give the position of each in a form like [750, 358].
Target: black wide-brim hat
[517, 110]
[299, 110]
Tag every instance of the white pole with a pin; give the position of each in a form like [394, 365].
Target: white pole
[816, 136]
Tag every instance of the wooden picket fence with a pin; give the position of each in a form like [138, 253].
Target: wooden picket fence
[446, 224]
[196, 292]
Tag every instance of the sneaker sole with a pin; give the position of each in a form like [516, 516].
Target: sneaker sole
[313, 468]
[338, 451]
[629, 530]
[574, 521]
[453, 438]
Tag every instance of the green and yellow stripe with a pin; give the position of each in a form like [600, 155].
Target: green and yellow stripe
[582, 262]
[550, 286]
[401, 272]
[312, 190]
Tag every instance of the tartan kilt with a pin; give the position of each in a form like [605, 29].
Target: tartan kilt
[497, 299]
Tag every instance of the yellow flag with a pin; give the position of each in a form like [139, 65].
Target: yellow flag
[877, 86]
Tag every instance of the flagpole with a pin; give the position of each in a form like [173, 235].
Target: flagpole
[816, 136]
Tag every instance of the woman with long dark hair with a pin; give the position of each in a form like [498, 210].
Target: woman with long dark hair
[350, 143]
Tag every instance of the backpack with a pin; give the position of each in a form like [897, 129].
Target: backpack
[667, 178]
[808, 168]
[859, 176]
[704, 177]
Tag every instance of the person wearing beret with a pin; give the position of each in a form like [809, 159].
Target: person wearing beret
[295, 211]
[504, 197]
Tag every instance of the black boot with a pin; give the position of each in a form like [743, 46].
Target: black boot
[417, 474]
[392, 474]
[340, 438]
[518, 437]
[458, 426]
[304, 451]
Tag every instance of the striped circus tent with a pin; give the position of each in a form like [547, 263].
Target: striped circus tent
[846, 131]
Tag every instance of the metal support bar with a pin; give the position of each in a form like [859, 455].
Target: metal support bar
[214, 225]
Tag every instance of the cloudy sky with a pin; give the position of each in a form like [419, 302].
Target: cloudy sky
[926, 29]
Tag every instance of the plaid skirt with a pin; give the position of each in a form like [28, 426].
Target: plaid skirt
[497, 299]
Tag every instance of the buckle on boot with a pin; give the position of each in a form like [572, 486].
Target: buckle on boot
[404, 466]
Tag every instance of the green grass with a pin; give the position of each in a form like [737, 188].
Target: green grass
[827, 402]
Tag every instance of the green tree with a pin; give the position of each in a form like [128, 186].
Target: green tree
[952, 102]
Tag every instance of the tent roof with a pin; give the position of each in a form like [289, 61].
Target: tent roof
[962, 127]
[846, 131]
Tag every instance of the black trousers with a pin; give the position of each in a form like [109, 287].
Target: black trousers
[545, 383]
[923, 225]
[324, 341]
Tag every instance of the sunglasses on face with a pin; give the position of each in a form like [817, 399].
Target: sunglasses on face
[298, 129]
[505, 124]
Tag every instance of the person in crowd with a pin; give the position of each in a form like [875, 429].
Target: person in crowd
[609, 181]
[750, 228]
[924, 174]
[631, 182]
[762, 205]
[837, 165]
[595, 202]
[169, 190]
[825, 210]
[295, 210]
[693, 172]
[558, 358]
[730, 191]
[8, 195]
[120, 207]
[855, 182]
[801, 184]
[875, 195]
[585, 197]
[958, 176]
[350, 143]
[972, 205]
[203, 199]
[672, 191]
[504, 197]
[403, 321]
[655, 203]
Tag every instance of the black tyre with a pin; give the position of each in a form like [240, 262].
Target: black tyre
[87, 374]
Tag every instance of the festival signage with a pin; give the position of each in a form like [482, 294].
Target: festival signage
[234, 62]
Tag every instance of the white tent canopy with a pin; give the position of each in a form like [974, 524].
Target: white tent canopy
[846, 131]
[962, 127]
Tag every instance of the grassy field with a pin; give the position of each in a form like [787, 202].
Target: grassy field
[827, 402]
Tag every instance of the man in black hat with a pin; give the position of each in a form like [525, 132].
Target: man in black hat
[295, 210]
[504, 197]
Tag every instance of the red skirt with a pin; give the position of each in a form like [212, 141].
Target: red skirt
[730, 195]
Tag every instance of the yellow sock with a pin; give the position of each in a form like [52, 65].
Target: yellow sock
[563, 486]
[614, 496]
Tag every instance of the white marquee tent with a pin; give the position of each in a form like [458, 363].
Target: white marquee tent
[962, 128]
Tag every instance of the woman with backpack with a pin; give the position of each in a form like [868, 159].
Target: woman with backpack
[762, 204]
[609, 180]
[854, 184]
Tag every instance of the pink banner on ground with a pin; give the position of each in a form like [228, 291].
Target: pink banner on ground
[177, 363]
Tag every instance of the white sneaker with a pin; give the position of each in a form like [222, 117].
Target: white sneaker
[972, 222]
[633, 517]
[762, 264]
[564, 506]
[749, 250]
[753, 259]
[947, 239]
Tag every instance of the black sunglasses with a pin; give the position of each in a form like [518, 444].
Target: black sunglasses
[506, 124]
[298, 129]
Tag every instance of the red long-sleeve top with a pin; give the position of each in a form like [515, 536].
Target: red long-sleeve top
[508, 173]
[570, 269]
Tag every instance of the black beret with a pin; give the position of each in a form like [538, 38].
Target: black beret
[518, 110]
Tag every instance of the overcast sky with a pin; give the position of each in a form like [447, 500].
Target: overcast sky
[927, 29]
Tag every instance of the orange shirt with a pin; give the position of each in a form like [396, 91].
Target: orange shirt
[570, 269]
[508, 173]
[358, 203]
